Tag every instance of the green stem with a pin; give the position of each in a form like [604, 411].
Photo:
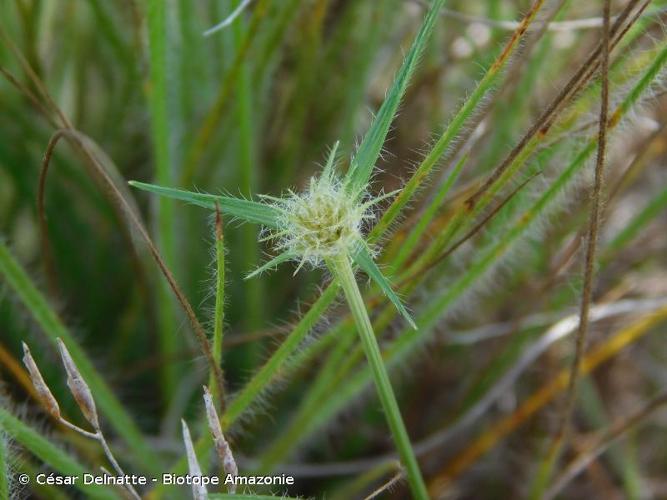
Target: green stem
[4, 467]
[219, 317]
[342, 270]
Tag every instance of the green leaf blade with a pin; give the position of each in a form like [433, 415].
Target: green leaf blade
[248, 210]
[363, 259]
[369, 150]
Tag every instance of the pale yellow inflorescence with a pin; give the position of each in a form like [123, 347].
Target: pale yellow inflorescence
[322, 222]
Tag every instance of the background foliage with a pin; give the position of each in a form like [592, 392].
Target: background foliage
[494, 285]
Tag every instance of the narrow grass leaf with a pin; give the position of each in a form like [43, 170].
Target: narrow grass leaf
[271, 264]
[364, 160]
[158, 104]
[365, 261]
[247, 210]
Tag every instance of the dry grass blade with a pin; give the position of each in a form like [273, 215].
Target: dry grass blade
[43, 391]
[79, 388]
[229, 19]
[386, 487]
[222, 447]
[198, 490]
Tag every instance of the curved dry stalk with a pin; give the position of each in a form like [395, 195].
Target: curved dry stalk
[229, 19]
[131, 216]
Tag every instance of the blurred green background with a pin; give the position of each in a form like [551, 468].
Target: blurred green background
[255, 108]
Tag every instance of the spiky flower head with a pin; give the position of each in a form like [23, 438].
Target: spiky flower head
[323, 223]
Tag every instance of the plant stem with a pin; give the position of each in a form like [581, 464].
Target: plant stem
[342, 270]
[219, 316]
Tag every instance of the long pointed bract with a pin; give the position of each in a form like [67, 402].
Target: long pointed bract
[251, 211]
[364, 160]
[365, 261]
[283, 257]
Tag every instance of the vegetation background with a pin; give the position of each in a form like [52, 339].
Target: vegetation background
[501, 112]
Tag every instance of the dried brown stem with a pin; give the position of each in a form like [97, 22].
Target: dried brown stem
[29, 94]
[593, 229]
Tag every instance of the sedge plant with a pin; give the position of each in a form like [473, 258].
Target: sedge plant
[325, 226]
[526, 120]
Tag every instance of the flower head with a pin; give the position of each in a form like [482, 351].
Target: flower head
[316, 226]
[320, 223]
